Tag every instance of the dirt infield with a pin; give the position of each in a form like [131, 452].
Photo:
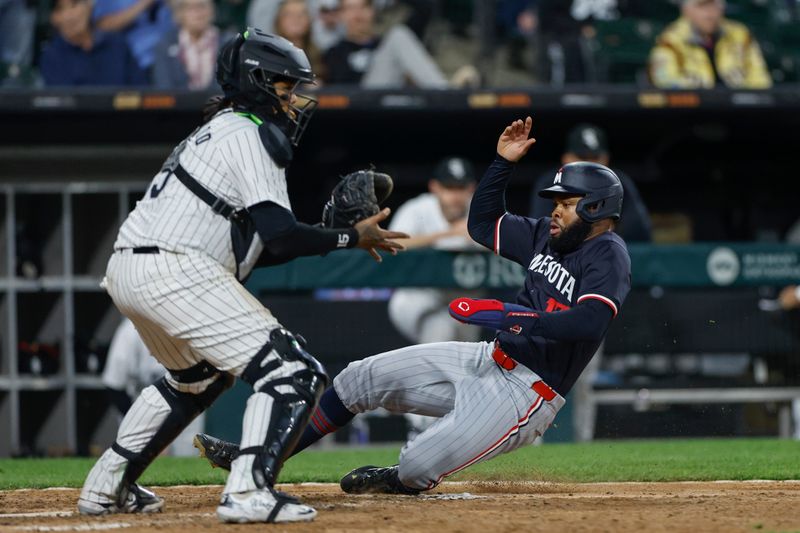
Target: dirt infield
[453, 507]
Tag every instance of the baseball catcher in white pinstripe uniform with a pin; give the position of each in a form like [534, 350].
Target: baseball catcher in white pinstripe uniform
[218, 208]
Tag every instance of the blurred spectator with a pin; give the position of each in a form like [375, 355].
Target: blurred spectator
[568, 38]
[586, 142]
[16, 39]
[518, 21]
[261, 14]
[437, 219]
[702, 49]
[144, 23]
[77, 55]
[187, 58]
[419, 16]
[327, 27]
[374, 61]
[293, 22]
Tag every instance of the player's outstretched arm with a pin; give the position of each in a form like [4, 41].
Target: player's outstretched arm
[488, 203]
[372, 237]
[587, 321]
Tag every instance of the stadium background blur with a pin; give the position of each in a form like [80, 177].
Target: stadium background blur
[702, 346]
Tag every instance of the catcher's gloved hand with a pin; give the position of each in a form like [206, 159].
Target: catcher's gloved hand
[358, 196]
[492, 314]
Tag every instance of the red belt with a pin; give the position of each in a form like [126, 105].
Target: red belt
[505, 361]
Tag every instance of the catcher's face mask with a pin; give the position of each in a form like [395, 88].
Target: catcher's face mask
[295, 109]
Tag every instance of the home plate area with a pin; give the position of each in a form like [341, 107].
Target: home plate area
[452, 507]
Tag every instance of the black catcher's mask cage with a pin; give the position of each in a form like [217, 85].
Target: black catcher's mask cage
[295, 119]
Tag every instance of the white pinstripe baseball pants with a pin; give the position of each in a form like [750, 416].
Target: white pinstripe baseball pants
[187, 308]
[484, 410]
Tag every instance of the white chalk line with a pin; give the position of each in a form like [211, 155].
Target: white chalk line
[41, 514]
[102, 526]
[77, 527]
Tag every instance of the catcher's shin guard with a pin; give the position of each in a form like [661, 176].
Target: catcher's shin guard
[157, 416]
[184, 407]
[286, 389]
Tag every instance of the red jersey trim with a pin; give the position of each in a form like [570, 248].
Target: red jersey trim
[602, 298]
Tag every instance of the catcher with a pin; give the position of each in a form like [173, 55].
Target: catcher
[218, 208]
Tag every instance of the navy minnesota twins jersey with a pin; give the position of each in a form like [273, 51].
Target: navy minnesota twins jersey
[598, 269]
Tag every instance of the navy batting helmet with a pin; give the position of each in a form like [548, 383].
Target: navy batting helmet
[249, 65]
[598, 184]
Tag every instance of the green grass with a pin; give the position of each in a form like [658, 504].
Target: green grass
[661, 460]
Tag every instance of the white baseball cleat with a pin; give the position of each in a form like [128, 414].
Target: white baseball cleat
[136, 500]
[264, 505]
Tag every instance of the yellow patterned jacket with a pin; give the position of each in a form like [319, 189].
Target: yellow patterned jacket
[679, 61]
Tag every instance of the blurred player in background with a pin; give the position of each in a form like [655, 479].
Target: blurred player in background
[436, 219]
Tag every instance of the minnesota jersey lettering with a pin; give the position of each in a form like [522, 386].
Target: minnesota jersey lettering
[554, 273]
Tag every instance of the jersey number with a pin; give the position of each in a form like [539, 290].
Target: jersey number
[173, 160]
[155, 190]
[553, 306]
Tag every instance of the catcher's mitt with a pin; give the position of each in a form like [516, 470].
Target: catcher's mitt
[358, 196]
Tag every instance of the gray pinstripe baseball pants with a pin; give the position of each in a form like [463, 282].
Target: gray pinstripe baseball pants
[483, 410]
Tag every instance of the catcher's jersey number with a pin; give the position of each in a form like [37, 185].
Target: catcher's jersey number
[172, 162]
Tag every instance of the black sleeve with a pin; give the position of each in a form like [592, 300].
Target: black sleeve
[489, 202]
[119, 399]
[512, 236]
[285, 238]
[585, 322]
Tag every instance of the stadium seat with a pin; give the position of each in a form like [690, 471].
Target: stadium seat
[624, 46]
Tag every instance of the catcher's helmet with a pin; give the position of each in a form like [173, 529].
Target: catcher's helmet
[598, 185]
[249, 65]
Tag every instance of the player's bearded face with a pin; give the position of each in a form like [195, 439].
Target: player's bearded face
[567, 229]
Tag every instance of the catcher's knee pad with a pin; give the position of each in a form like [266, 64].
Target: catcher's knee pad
[183, 408]
[295, 395]
[290, 348]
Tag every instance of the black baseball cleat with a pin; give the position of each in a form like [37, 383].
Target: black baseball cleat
[375, 480]
[133, 499]
[219, 453]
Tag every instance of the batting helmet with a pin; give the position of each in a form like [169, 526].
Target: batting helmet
[598, 184]
[249, 65]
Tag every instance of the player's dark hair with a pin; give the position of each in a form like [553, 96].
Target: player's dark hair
[214, 105]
